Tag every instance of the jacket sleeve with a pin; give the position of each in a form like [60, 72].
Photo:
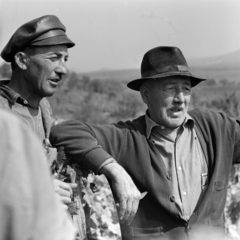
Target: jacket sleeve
[236, 155]
[89, 145]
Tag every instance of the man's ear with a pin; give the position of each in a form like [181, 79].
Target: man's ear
[21, 60]
[144, 93]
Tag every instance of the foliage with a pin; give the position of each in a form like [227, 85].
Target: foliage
[94, 100]
[232, 209]
[5, 71]
[101, 208]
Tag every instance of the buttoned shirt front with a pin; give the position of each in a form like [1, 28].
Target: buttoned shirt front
[184, 161]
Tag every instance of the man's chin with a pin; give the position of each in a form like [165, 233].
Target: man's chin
[175, 123]
[49, 93]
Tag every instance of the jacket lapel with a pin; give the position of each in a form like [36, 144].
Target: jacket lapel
[46, 116]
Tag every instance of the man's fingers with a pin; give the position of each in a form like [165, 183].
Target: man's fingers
[63, 192]
[125, 192]
[128, 203]
[65, 206]
[135, 204]
[73, 185]
[62, 188]
[65, 200]
[64, 185]
[143, 194]
[128, 211]
[122, 208]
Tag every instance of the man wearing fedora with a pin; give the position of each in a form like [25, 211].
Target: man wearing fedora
[38, 52]
[181, 158]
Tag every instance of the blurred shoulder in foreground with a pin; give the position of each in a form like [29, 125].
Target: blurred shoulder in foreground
[29, 207]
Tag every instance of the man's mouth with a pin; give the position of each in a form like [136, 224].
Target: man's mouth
[176, 109]
[55, 80]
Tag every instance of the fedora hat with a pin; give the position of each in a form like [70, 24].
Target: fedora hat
[43, 31]
[162, 62]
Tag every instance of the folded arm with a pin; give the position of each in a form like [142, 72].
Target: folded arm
[97, 147]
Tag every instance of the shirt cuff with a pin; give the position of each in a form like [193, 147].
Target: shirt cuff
[108, 161]
[95, 158]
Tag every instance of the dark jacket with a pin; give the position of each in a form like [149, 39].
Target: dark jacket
[157, 216]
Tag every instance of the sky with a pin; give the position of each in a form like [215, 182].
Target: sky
[115, 34]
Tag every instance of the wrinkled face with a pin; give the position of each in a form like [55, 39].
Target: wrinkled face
[168, 100]
[45, 68]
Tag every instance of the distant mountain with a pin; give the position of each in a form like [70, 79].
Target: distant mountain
[224, 67]
[230, 60]
[124, 75]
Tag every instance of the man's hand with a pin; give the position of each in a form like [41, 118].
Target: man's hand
[125, 191]
[64, 190]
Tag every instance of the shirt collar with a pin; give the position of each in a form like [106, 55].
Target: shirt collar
[150, 123]
[11, 95]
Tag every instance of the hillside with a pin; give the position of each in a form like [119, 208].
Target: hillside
[230, 60]
[224, 67]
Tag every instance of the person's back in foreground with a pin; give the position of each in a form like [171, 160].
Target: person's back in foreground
[29, 207]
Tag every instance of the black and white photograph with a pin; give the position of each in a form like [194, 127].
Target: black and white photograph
[119, 119]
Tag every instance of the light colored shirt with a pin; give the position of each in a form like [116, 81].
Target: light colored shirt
[184, 161]
[19, 106]
[32, 117]
[29, 207]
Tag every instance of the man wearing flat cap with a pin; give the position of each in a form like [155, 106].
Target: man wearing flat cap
[181, 158]
[38, 52]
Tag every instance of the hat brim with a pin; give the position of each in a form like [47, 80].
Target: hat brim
[136, 84]
[56, 40]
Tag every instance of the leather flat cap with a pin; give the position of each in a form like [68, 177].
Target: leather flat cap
[43, 31]
[162, 62]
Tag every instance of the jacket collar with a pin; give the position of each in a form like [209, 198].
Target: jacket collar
[10, 94]
[14, 98]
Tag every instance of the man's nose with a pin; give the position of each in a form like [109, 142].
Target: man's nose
[179, 96]
[61, 68]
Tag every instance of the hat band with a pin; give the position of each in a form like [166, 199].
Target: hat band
[49, 34]
[172, 68]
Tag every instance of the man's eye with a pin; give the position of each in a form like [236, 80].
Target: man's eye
[53, 59]
[169, 88]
